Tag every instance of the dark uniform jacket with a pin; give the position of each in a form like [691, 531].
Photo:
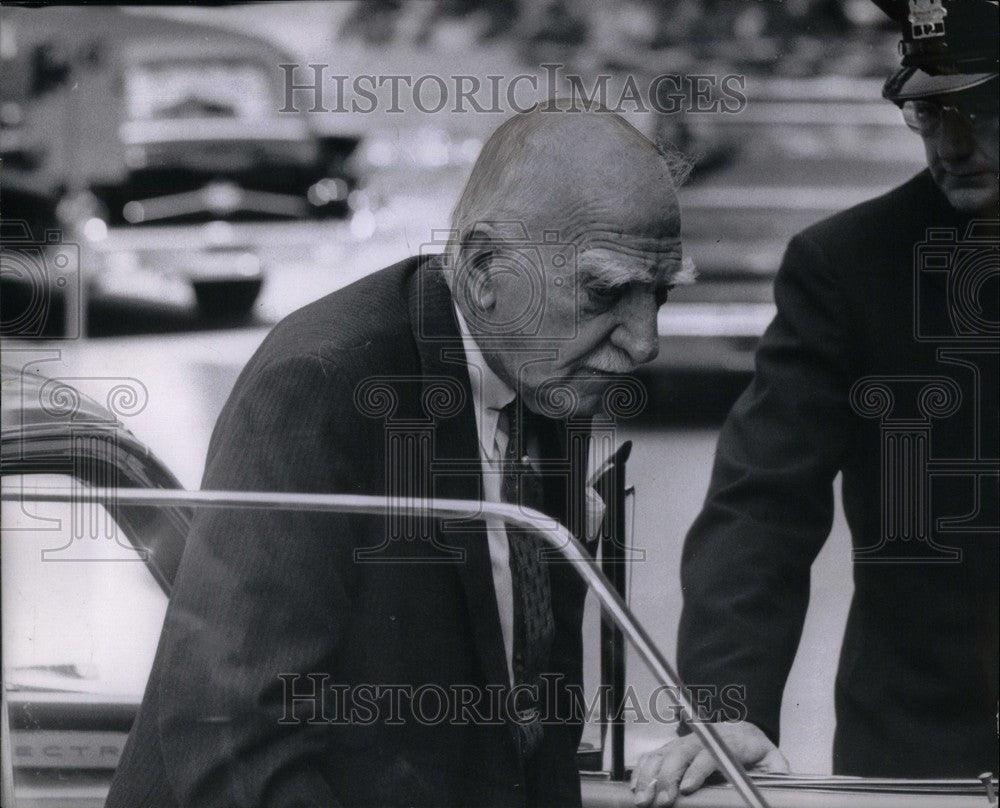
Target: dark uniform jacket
[881, 364]
[367, 381]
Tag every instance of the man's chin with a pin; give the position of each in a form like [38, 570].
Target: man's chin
[592, 392]
[572, 397]
[590, 402]
[971, 196]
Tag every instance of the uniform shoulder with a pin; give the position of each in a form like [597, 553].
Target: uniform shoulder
[865, 225]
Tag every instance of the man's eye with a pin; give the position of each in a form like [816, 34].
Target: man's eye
[926, 111]
[603, 295]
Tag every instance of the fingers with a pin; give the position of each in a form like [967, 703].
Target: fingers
[644, 775]
[656, 777]
[773, 763]
[683, 765]
[665, 797]
[647, 767]
[697, 773]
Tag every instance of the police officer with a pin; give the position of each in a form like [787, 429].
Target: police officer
[881, 364]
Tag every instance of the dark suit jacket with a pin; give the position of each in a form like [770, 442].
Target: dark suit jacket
[262, 593]
[916, 691]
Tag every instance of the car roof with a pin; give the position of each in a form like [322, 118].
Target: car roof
[41, 419]
[31, 399]
[116, 27]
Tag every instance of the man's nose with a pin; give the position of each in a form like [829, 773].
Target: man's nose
[955, 140]
[637, 333]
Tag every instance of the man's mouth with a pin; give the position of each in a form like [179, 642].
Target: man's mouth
[967, 176]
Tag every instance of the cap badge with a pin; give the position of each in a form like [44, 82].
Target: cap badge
[927, 18]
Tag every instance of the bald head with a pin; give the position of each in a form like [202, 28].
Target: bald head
[559, 168]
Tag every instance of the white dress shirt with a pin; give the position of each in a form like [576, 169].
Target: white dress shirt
[490, 394]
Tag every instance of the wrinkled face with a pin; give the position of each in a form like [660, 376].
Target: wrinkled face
[590, 315]
[567, 263]
[963, 161]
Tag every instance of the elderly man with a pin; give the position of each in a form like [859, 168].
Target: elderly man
[882, 365]
[565, 244]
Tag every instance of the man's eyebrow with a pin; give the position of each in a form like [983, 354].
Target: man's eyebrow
[600, 273]
[604, 268]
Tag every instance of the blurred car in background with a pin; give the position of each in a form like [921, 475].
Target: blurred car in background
[163, 144]
[72, 684]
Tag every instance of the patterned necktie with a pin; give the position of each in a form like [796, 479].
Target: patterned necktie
[533, 623]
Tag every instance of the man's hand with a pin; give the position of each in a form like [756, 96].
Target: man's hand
[683, 765]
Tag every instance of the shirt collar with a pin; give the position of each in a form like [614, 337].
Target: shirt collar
[490, 393]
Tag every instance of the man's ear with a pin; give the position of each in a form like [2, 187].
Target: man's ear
[473, 277]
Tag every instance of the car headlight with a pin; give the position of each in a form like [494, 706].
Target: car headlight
[328, 189]
[95, 229]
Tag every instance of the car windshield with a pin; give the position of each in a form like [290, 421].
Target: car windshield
[81, 611]
[197, 89]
